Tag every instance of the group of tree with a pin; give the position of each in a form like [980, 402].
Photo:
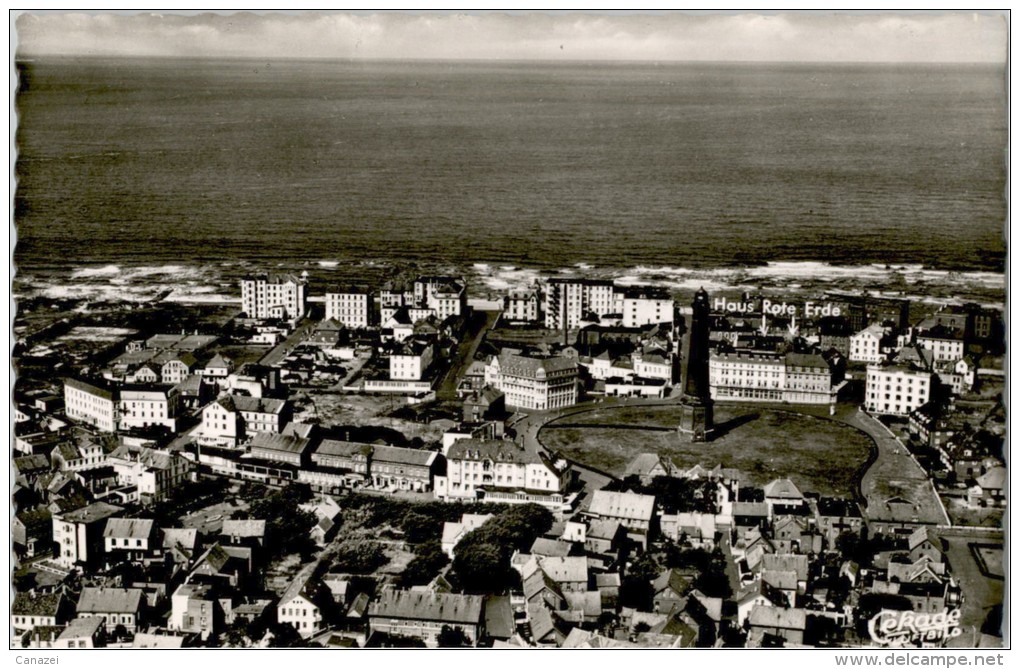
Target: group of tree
[287, 525]
[359, 557]
[675, 495]
[481, 559]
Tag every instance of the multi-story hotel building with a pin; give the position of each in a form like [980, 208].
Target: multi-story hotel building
[764, 376]
[567, 301]
[142, 406]
[866, 345]
[494, 470]
[533, 383]
[645, 305]
[91, 404]
[896, 389]
[273, 296]
[446, 296]
[412, 361]
[350, 306]
[523, 305]
[946, 344]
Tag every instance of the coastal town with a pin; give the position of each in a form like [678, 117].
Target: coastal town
[582, 463]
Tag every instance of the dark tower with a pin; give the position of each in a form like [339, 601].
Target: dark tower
[696, 403]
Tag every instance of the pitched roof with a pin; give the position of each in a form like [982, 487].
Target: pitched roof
[787, 562]
[603, 528]
[82, 628]
[33, 604]
[783, 489]
[304, 585]
[258, 404]
[922, 534]
[279, 443]
[218, 361]
[91, 513]
[627, 505]
[533, 368]
[499, 617]
[404, 456]
[672, 579]
[565, 569]
[643, 464]
[993, 479]
[781, 580]
[773, 616]
[29, 464]
[92, 389]
[550, 547]
[338, 448]
[433, 606]
[496, 450]
[146, 640]
[109, 600]
[185, 537]
[129, 528]
[244, 528]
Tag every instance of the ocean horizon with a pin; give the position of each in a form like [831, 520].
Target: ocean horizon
[529, 163]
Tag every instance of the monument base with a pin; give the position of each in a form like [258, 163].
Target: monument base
[696, 420]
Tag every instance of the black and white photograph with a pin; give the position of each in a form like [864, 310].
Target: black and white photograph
[494, 330]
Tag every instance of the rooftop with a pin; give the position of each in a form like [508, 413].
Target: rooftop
[627, 505]
[433, 606]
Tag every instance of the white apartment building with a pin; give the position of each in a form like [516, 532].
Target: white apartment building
[522, 305]
[945, 344]
[273, 296]
[156, 473]
[350, 306]
[797, 378]
[232, 418]
[444, 295]
[411, 362]
[567, 301]
[896, 389]
[91, 404]
[496, 470]
[78, 534]
[655, 364]
[142, 406]
[866, 345]
[642, 305]
[533, 383]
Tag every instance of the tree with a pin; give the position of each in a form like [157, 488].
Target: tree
[419, 527]
[481, 568]
[429, 559]
[283, 636]
[359, 557]
[452, 637]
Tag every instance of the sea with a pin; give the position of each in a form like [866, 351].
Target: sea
[138, 176]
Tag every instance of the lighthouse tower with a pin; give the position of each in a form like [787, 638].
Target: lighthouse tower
[696, 403]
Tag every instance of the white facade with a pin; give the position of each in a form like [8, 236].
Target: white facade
[522, 306]
[273, 296]
[532, 383]
[948, 350]
[771, 377]
[866, 345]
[141, 407]
[221, 424]
[568, 300]
[411, 363]
[445, 296]
[472, 464]
[646, 309]
[896, 390]
[302, 614]
[90, 404]
[352, 308]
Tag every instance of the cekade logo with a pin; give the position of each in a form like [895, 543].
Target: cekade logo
[899, 628]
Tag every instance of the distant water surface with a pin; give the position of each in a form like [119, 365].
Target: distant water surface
[531, 164]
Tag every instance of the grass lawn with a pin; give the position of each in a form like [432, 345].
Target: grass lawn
[817, 454]
[962, 514]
